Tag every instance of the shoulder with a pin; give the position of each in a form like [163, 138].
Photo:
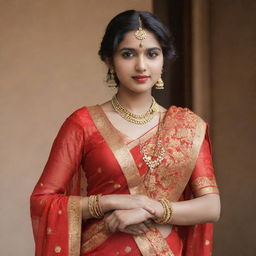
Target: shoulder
[80, 117]
[183, 114]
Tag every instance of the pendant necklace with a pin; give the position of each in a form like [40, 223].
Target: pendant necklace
[151, 160]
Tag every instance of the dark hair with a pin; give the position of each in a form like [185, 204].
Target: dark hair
[129, 21]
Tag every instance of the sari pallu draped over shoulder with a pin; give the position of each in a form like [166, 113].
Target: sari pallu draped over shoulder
[121, 170]
[56, 211]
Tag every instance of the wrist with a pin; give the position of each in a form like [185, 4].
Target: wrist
[106, 203]
[167, 212]
[94, 206]
[159, 210]
[158, 207]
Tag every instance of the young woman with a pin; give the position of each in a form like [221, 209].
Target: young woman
[150, 187]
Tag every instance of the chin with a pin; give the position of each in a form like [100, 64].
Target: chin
[138, 87]
[141, 89]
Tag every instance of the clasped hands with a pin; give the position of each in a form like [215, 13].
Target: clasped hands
[131, 212]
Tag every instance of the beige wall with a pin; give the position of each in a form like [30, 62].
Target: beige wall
[48, 68]
[48, 53]
[233, 105]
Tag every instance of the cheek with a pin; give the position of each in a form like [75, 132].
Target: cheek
[158, 65]
[120, 71]
[123, 68]
[157, 68]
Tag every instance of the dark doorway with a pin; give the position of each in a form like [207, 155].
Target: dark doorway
[175, 14]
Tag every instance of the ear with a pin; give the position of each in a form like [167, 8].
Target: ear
[109, 63]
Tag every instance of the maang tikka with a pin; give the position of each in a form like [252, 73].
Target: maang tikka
[140, 33]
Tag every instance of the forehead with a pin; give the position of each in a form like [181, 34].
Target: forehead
[131, 41]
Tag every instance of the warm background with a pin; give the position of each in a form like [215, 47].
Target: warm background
[49, 67]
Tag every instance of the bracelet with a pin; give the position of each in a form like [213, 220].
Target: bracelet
[168, 212]
[94, 206]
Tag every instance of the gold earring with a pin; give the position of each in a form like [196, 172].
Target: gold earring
[159, 84]
[111, 79]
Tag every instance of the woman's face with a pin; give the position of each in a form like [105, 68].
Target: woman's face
[138, 67]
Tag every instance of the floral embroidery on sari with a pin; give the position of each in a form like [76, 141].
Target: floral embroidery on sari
[181, 134]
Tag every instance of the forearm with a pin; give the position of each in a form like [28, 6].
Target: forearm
[119, 202]
[199, 210]
[105, 203]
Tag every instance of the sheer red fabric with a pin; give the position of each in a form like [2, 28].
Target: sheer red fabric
[80, 152]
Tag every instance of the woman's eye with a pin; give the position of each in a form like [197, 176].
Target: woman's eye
[152, 54]
[127, 54]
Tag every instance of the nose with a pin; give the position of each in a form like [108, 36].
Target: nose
[140, 64]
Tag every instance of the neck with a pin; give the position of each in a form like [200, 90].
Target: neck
[137, 103]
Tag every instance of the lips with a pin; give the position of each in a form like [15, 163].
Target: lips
[141, 78]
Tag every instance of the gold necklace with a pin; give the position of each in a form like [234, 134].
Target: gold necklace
[133, 118]
[148, 159]
[159, 151]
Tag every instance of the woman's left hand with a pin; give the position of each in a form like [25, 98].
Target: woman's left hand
[136, 229]
[125, 220]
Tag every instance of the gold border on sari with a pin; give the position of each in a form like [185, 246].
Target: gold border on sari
[152, 243]
[204, 185]
[197, 142]
[208, 190]
[119, 149]
[94, 236]
[74, 225]
[95, 241]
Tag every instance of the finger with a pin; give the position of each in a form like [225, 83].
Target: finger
[113, 225]
[135, 229]
[150, 210]
[140, 228]
[143, 227]
[146, 204]
[108, 218]
[106, 222]
[148, 223]
[109, 223]
[132, 231]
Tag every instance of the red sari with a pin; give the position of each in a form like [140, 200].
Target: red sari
[89, 150]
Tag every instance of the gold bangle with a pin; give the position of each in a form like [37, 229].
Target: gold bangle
[94, 206]
[171, 213]
[98, 208]
[90, 205]
[168, 211]
[162, 220]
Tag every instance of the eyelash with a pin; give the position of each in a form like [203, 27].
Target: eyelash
[150, 54]
[127, 54]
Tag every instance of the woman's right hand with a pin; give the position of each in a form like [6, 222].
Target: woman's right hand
[126, 202]
[114, 202]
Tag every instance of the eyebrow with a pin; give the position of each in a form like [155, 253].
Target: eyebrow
[133, 49]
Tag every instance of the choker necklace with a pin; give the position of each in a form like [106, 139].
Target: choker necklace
[133, 118]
